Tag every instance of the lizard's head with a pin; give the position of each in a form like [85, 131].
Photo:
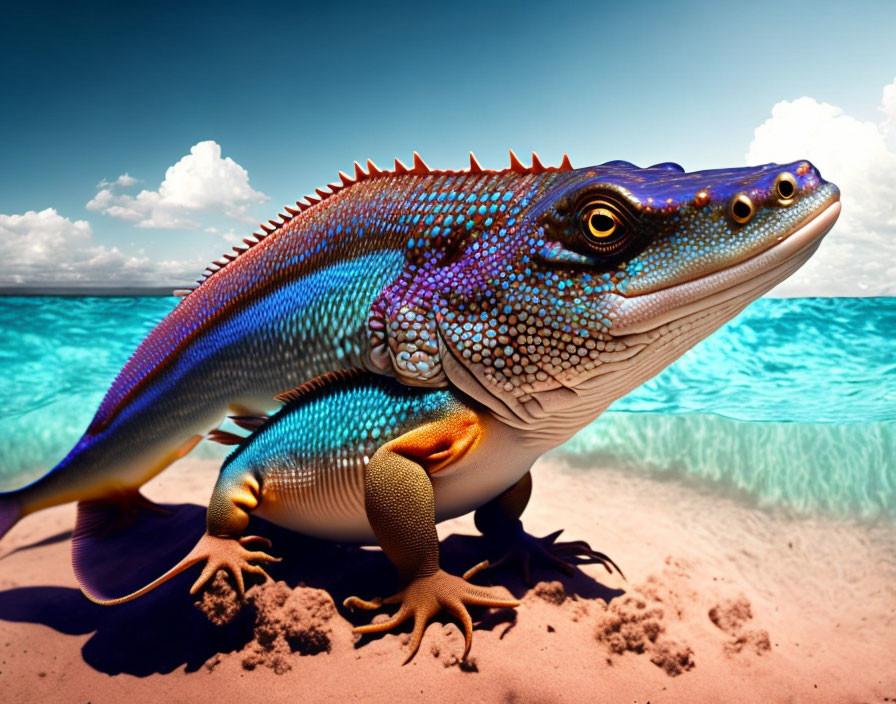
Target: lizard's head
[598, 278]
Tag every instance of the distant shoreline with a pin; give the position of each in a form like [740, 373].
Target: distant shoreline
[85, 291]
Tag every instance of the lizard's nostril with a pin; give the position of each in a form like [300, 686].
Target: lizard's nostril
[741, 208]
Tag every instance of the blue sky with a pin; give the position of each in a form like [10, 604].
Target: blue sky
[292, 93]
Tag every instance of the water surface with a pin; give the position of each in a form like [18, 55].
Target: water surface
[792, 402]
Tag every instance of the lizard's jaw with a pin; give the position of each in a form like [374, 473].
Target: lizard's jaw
[657, 328]
[747, 280]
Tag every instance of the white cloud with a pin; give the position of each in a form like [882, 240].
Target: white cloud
[125, 181]
[858, 257]
[230, 237]
[888, 106]
[201, 182]
[46, 248]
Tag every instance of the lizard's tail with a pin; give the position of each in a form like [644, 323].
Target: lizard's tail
[93, 592]
[10, 510]
[96, 555]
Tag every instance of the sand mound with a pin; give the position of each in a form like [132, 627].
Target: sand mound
[628, 625]
[673, 657]
[637, 623]
[756, 640]
[551, 592]
[287, 621]
[730, 616]
[219, 601]
[447, 645]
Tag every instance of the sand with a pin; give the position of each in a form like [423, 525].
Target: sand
[723, 602]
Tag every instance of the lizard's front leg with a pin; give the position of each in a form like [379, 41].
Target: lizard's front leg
[499, 521]
[223, 545]
[398, 497]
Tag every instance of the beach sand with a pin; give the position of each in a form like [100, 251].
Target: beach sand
[724, 601]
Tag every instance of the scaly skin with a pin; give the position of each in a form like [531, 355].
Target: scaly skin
[355, 456]
[531, 331]
[541, 295]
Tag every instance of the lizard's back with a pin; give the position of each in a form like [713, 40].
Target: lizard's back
[310, 461]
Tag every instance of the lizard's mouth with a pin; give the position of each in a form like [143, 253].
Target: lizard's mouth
[745, 281]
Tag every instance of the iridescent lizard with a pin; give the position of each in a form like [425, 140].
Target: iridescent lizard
[536, 295]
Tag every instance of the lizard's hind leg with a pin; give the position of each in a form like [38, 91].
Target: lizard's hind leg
[499, 521]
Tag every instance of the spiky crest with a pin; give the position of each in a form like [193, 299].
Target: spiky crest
[420, 167]
[516, 166]
[250, 423]
[225, 437]
[320, 382]
[475, 168]
[345, 181]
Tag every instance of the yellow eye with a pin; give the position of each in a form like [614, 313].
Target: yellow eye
[601, 223]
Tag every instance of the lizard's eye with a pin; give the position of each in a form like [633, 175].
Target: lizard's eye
[596, 229]
[604, 230]
[601, 223]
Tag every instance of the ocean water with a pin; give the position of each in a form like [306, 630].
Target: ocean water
[792, 403]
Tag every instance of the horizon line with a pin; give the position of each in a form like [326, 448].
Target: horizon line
[114, 291]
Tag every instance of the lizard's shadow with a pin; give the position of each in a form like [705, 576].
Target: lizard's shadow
[163, 630]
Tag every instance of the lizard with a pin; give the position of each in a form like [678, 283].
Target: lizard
[543, 293]
[519, 336]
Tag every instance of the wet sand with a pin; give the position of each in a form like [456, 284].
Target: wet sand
[723, 602]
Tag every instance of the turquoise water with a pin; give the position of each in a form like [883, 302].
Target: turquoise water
[793, 402]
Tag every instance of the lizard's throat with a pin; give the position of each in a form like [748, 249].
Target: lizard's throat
[549, 417]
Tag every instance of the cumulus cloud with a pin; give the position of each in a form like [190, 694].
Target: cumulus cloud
[201, 182]
[45, 247]
[858, 258]
[888, 107]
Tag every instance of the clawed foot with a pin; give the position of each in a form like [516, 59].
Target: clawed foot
[424, 597]
[527, 549]
[229, 554]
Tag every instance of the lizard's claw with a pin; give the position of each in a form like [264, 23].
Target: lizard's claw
[218, 553]
[528, 549]
[229, 554]
[424, 597]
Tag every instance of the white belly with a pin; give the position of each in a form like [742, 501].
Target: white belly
[335, 510]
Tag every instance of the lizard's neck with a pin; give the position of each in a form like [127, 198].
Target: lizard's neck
[544, 421]
[550, 417]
